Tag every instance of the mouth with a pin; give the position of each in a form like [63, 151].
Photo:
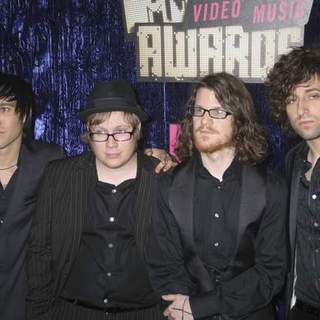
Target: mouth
[305, 123]
[112, 155]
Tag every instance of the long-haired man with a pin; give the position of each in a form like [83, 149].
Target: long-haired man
[217, 248]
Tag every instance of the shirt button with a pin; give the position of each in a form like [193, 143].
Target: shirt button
[114, 190]
[1, 221]
[216, 244]
[219, 187]
[105, 300]
[316, 224]
[110, 245]
[314, 196]
[217, 215]
[109, 274]
[111, 219]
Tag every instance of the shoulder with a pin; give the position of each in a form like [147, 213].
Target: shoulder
[63, 168]
[44, 149]
[295, 151]
[274, 181]
[292, 156]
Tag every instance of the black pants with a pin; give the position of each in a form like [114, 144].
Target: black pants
[298, 314]
[63, 310]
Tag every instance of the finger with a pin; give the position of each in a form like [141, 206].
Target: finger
[159, 167]
[168, 165]
[169, 297]
[148, 152]
[167, 312]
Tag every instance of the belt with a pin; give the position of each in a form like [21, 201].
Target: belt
[89, 305]
[307, 308]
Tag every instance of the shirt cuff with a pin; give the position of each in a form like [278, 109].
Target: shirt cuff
[205, 305]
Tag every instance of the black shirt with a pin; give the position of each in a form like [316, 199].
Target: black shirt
[108, 271]
[216, 215]
[308, 235]
[5, 196]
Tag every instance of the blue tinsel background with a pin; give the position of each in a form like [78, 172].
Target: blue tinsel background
[63, 47]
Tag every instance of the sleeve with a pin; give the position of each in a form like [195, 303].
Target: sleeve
[256, 287]
[38, 262]
[164, 252]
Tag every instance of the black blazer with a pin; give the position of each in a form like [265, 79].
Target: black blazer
[293, 173]
[58, 223]
[257, 269]
[33, 158]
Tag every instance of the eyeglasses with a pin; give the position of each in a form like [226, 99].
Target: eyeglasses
[216, 113]
[101, 136]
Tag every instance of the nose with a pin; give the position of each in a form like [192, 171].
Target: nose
[301, 107]
[206, 118]
[111, 142]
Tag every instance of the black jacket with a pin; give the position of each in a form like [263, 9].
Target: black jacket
[293, 174]
[33, 158]
[58, 223]
[256, 271]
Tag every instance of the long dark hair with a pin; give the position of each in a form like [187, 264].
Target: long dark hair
[248, 136]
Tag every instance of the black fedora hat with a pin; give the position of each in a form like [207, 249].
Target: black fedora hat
[114, 95]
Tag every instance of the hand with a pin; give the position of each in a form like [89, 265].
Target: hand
[179, 309]
[166, 161]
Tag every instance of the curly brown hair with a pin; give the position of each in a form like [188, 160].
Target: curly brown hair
[249, 138]
[298, 66]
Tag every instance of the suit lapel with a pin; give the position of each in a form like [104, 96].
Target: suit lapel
[294, 190]
[252, 201]
[81, 181]
[181, 203]
[25, 177]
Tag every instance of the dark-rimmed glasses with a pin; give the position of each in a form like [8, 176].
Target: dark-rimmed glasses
[216, 113]
[119, 136]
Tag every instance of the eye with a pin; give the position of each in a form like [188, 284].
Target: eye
[314, 96]
[5, 109]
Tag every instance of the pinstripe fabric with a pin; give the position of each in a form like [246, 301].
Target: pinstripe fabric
[56, 234]
[68, 311]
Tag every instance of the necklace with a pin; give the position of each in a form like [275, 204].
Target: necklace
[14, 165]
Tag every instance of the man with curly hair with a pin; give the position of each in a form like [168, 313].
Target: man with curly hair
[217, 249]
[294, 90]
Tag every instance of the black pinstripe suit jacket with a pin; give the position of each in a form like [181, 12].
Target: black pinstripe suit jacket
[57, 226]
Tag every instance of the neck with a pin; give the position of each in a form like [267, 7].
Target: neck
[10, 154]
[117, 175]
[218, 162]
[314, 151]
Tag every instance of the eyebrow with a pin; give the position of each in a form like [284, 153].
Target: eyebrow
[313, 89]
[114, 129]
[214, 107]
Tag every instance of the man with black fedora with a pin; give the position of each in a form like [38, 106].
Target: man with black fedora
[85, 256]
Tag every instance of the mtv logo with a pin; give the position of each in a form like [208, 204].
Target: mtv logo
[152, 11]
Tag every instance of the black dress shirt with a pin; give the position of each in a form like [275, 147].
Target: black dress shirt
[216, 215]
[108, 272]
[5, 196]
[308, 235]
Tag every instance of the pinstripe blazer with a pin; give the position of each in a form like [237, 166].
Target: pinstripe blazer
[57, 227]
[34, 156]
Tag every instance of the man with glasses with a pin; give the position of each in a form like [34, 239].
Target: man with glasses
[217, 249]
[86, 248]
